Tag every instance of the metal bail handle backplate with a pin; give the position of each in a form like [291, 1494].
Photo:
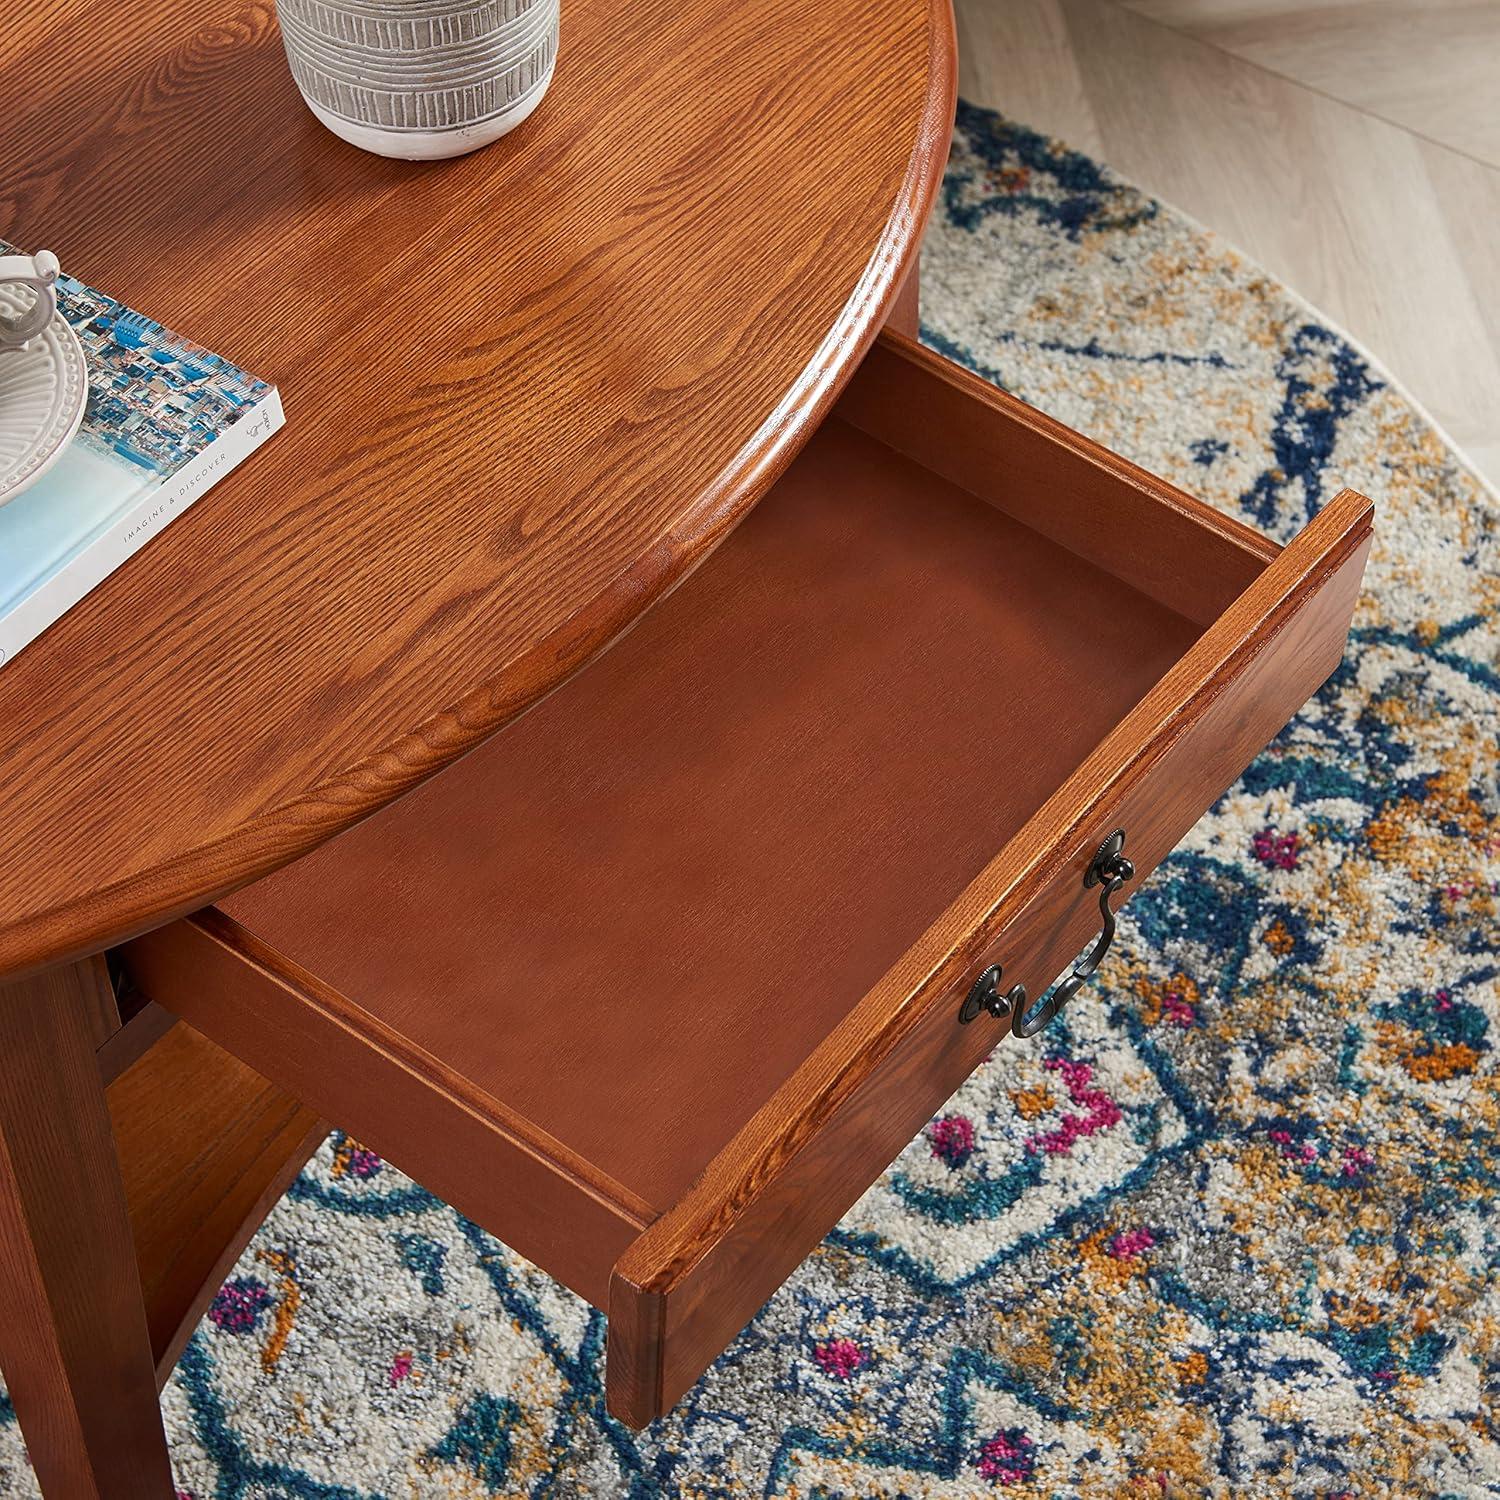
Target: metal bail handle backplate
[1109, 870]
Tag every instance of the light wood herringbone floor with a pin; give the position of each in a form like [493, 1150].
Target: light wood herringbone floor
[1351, 148]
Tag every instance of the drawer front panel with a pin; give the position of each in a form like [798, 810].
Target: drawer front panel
[697, 1275]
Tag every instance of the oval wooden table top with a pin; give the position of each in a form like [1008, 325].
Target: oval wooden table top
[526, 391]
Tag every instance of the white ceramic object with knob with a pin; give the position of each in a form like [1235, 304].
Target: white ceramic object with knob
[44, 382]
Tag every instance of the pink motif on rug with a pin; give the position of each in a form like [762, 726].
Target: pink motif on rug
[1100, 1111]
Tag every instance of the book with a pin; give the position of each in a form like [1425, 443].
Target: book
[165, 421]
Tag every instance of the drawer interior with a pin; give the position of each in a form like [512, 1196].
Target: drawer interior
[632, 914]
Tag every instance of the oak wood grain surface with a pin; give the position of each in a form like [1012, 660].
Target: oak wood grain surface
[527, 391]
[611, 932]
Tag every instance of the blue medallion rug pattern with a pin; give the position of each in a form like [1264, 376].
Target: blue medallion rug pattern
[1231, 1230]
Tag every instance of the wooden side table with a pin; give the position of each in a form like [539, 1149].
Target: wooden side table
[655, 982]
[528, 392]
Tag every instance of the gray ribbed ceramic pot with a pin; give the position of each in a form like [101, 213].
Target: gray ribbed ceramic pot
[420, 78]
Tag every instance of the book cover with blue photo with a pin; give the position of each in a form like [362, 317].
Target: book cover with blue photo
[165, 420]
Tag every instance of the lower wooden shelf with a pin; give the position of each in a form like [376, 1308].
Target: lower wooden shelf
[206, 1147]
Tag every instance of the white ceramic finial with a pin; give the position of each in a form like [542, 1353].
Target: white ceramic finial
[39, 272]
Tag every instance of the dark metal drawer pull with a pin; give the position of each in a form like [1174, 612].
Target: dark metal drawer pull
[1109, 869]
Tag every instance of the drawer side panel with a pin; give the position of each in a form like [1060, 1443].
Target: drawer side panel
[321, 1049]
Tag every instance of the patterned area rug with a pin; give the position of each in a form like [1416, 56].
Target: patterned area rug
[1231, 1230]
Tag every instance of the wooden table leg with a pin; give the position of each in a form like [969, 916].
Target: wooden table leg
[73, 1343]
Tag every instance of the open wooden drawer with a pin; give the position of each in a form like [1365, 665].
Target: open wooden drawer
[655, 982]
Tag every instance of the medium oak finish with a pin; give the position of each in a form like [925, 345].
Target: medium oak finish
[73, 1338]
[654, 982]
[207, 1148]
[528, 392]
[657, 981]
[630, 314]
[814, 1148]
